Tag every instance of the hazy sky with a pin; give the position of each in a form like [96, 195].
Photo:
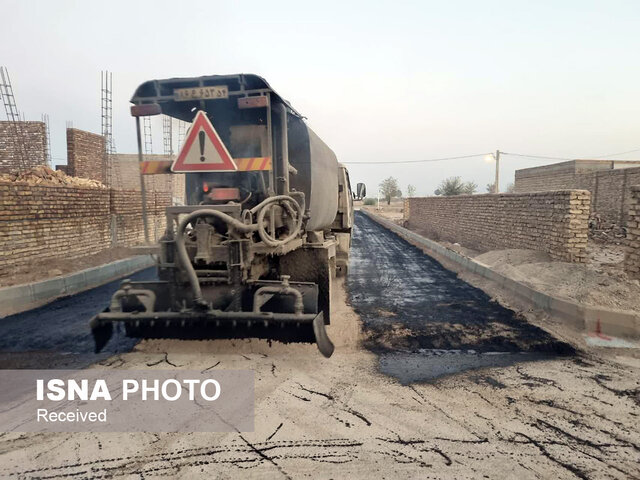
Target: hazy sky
[378, 81]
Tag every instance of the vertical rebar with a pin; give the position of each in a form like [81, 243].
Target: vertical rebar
[48, 159]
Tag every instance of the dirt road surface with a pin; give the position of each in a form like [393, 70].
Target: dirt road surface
[564, 415]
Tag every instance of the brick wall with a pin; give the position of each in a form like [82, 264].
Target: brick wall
[123, 173]
[34, 138]
[632, 256]
[85, 155]
[552, 222]
[126, 212]
[609, 187]
[43, 222]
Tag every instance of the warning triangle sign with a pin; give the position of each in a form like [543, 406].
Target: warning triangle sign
[203, 151]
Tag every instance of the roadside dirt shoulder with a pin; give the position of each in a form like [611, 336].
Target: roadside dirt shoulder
[601, 282]
[44, 269]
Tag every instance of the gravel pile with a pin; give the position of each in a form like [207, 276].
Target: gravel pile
[43, 175]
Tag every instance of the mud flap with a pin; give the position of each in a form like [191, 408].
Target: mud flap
[322, 339]
[102, 333]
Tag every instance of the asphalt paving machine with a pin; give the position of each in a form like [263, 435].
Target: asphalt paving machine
[265, 227]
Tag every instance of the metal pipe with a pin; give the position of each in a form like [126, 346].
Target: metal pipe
[283, 168]
[144, 296]
[143, 190]
[271, 173]
[298, 305]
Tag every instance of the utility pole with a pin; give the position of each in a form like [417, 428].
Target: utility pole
[496, 185]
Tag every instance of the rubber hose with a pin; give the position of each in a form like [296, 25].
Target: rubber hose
[261, 208]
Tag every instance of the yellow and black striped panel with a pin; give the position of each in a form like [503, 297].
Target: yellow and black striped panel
[253, 163]
[156, 167]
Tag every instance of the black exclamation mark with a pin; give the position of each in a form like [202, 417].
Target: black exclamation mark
[201, 138]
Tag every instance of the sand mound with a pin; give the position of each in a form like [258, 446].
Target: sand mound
[591, 284]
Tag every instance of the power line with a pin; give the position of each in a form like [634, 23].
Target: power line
[543, 157]
[536, 156]
[418, 161]
[595, 157]
[619, 153]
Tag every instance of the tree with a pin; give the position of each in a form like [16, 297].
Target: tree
[411, 191]
[389, 189]
[470, 188]
[491, 187]
[455, 186]
[511, 188]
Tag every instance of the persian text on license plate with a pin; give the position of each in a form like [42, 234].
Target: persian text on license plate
[201, 93]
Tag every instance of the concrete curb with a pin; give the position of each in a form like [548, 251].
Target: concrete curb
[592, 319]
[19, 298]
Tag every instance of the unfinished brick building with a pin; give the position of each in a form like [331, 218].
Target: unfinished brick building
[87, 159]
[30, 152]
[85, 155]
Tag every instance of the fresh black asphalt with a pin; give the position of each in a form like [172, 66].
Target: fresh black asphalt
[420, 317]
[57, 335]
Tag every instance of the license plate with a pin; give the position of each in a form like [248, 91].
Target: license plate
[201, 93]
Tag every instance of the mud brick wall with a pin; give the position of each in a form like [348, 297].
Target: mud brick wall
[85, 155]
[123, 174]
[632, 255]
[34, 139]
[612, 194]
[610, 188]
[42, 222]
[552, 222]
[126, 216]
